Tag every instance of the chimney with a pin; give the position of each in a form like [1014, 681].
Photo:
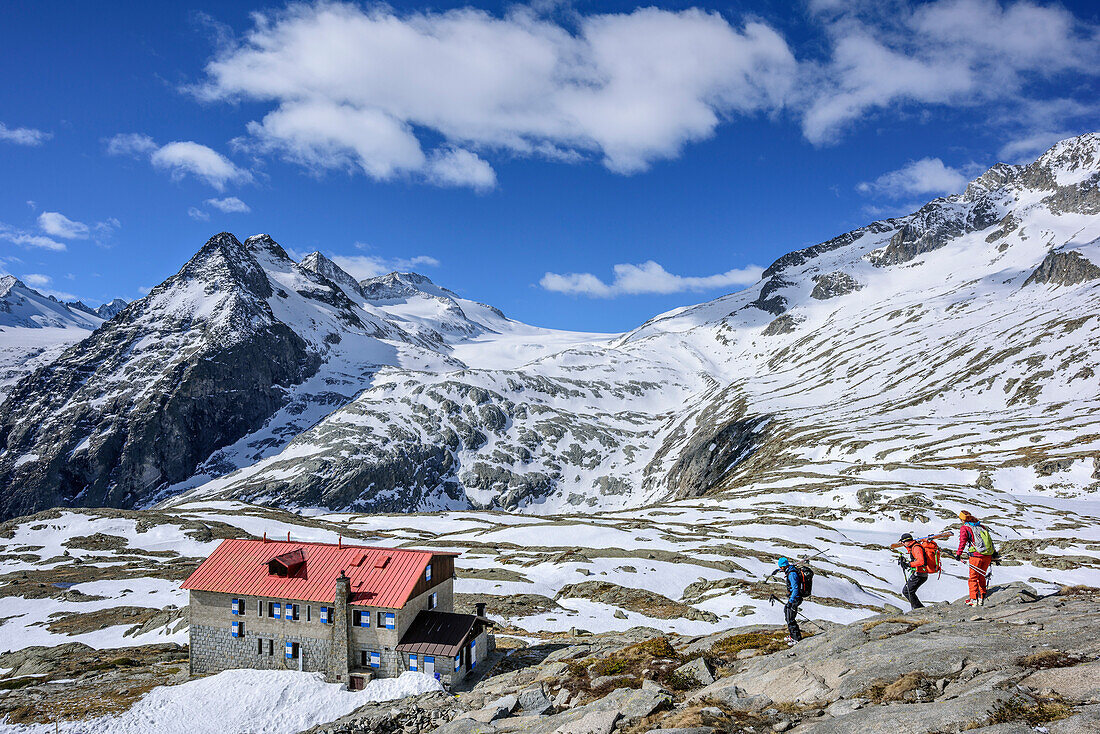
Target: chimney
[288, 536]
[480, 607]
[265, 536]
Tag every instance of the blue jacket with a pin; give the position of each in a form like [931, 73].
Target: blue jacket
[792, 585]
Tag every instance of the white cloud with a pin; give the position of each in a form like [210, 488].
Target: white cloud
[647, 277]
[198, 214]
[229, 205]
[23, 135]
[58, 225]
[926, 176]
[458, 167]
[365, 89]
[960, 53]
[370, 266]
[180, 158]
[29, 239]
[36, 279]
[132, 144]
[184, 157]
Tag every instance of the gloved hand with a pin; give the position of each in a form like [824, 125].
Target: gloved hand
[902, 562]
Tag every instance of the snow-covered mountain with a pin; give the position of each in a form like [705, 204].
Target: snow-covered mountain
[963, 336]
[35, 329]
[954, 347]
[24, 307]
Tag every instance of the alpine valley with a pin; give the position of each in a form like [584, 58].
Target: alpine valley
[874, 383]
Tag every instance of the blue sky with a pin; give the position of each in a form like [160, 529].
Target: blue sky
[583, 165]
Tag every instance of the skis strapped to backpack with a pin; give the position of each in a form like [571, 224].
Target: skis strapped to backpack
[938, 536]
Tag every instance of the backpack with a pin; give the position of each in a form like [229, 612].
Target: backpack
[985, 538]
[805, 581]
[931, 556]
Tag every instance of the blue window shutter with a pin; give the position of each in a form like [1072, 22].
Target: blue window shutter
[375, 660]
[412, 661]
[278, 610]
[473, 653]
[391, 620]
[324, 615]
[429, 659]
[428, 573]
[458, 662]
[289, 650]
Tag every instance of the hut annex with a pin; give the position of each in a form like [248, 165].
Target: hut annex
[351, 612]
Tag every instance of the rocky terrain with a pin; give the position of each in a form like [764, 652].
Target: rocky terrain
[1024, 660]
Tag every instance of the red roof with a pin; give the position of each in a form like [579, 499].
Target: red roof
[380, 577]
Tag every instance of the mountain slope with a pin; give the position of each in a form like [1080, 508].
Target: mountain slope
[962, 337]
[24, 307]
[34, 330]
[206, 357]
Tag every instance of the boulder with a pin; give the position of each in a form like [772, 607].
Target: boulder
[593, 722]
[534, 701]
[1078, 683]
[697, 670]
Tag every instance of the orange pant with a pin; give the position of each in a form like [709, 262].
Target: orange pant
[979, 565]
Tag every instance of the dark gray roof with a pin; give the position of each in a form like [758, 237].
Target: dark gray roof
[437, 633]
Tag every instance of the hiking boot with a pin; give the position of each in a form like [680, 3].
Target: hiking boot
[791, 642]
[971, 602]
[981, 601]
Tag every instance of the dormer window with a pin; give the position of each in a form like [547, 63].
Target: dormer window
[287, 564]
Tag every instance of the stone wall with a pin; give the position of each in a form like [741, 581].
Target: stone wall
[333, 649]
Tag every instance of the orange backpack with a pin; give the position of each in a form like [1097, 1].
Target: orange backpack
[931, 556]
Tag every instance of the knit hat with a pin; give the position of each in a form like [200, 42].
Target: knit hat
[783, 562]
[966, 516]
[907, 537]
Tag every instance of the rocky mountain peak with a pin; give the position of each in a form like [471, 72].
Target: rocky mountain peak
[110, 310]
[401, 285]
[323, 266]
[7, 282]
[223, 260]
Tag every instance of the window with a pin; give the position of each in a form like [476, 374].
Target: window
[429, 664]
[292, 650]
[309, 613]
[428, 573]
[271, 609]
[238, 628]
[431, 601]
[259, 646]
[376, 660]
[360, 618]
[412, 661]
[292, 612]
[277, 610]
[269, 645]
[391, 621]
[259, 607]
[363, 659]
[327, 613]
[237, 606]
